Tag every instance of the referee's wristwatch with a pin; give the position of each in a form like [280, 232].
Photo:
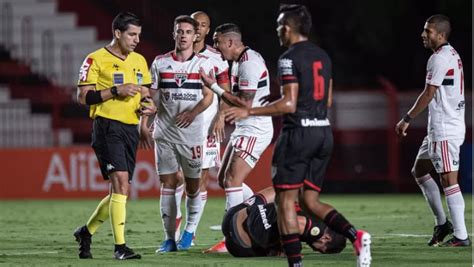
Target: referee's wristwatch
[113, 90]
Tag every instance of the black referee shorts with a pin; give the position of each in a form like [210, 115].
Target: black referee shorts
[301, 156]
[115, 145]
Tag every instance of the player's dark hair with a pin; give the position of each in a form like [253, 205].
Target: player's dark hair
[297, 17]
[337, 244]
[442, 23]
[123, 20]
[228, 27]
[186, 19]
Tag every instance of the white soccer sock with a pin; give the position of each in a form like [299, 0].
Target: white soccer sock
[433, 196]
[179, 197]
[168, 212]
[234, 196]
[247, 191]
[193, 207]
[203, 196]
[456, 209]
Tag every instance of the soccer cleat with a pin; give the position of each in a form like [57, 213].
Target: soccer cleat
[362, 249]
[178, 227]
[185, 241]
[456, 242]
[126, 253]
[167, 246]
[217, 248]
[440, 232]
[84, 238]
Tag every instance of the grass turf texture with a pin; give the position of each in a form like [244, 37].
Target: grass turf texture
[39, 233]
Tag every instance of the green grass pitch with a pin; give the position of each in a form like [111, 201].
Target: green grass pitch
[39, 233]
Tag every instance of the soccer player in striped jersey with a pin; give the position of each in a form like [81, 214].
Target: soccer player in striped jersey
[439, 151]
[250, 82]
[213, 129]
[178, 127]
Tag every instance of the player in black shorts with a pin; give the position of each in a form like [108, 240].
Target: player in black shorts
[251, 229]
[304, 147]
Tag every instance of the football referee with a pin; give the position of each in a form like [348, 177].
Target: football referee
[113, 82]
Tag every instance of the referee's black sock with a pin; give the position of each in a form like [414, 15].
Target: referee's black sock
[292, 247]
[338, 223]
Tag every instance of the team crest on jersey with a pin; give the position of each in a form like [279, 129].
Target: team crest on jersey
[180, 78]
[166, 95]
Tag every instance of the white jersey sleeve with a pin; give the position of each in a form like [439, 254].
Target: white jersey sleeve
[249, 75]
[155, 76]
[436, 70]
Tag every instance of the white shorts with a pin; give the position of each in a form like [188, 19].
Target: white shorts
[443, 154]
[251, 147]
[169, 157]
[211, 156]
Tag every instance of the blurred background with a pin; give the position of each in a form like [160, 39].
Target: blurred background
[379, 69]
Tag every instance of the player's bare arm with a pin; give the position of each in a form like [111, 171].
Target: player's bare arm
[421, 103]
[185, 118]
[218, 124]
[330, 94]
[286, 104]
[147, 108]
[210, 81]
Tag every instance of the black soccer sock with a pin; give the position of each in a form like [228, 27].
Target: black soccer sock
[338, 223]
[292, 247]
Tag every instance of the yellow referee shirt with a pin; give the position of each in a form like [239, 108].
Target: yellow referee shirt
[104, 70]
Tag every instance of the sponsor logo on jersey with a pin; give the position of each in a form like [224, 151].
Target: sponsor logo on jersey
[194, 165]
[314, 122]
[184, 97]
[429, 75]
[263, 215]
[285, 66]
[118, 78]
[461, 105]
[85, 69]
[180, 78]
[455, 163]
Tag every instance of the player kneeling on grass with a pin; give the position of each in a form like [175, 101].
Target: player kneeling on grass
[251, 229]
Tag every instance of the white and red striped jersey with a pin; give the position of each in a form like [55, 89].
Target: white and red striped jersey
[221, 69]
[446, 110]
[249, 73]
[179, 87]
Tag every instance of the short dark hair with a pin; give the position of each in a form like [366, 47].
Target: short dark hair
[337, 244]
[228, 27]
[122, 21]
[186, 19]
[297, 17]
[442, 23]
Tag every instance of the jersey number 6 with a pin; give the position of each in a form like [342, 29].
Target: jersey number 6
[318, 81]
